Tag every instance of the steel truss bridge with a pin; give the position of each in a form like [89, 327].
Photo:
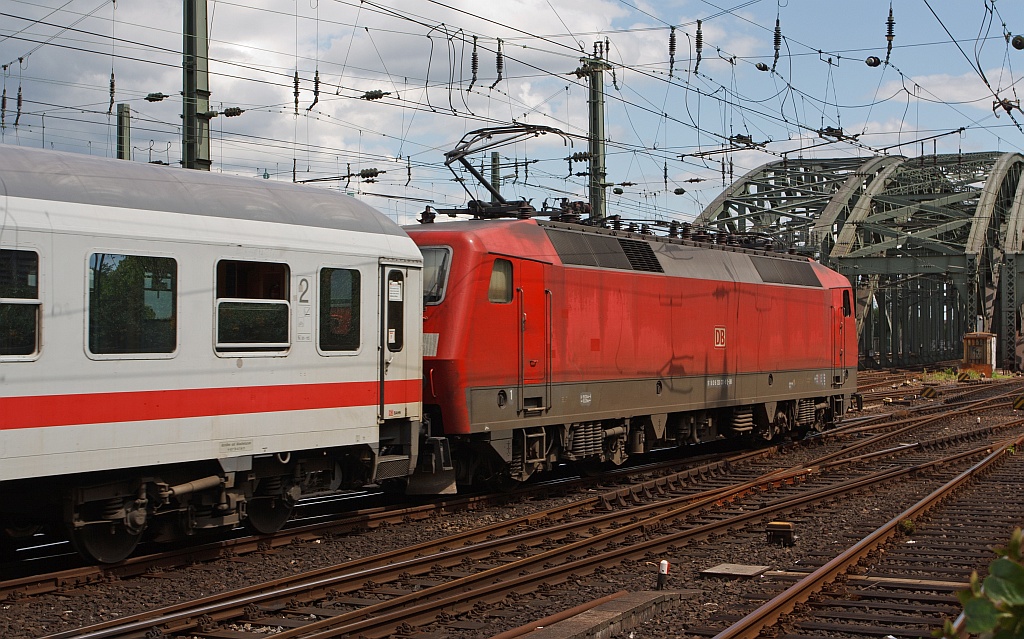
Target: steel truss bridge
[933, 245]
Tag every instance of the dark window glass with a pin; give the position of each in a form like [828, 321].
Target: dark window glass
[396, 311]
[435, 273]
[132, 304]
[19, 302]
[339, 309]
[251, 325]
[252, 306]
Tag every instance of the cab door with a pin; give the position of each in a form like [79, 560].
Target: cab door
[533, 301]
[398, 363]
[840, 314]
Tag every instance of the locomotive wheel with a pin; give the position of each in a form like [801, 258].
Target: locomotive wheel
[105, 543]
[266, 515]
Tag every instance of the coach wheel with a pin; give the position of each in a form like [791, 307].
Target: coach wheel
[271, 506]
[106, 542]
[267, 515]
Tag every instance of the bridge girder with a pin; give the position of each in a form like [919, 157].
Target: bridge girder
[933, 245]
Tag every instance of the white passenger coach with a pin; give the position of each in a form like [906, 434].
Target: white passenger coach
[181, 350]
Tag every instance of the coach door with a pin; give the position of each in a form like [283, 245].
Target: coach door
[534, 304]
[398, 343]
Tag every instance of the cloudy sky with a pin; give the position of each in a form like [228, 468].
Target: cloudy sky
[672, 122]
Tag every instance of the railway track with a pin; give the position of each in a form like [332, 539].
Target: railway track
[908, 589]
[460, 578]
[36, 579]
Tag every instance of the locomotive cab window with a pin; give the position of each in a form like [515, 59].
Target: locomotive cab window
[252, 306]
[436, 261]
[500, 289]
[132, 304]
[19, 303]
[339, 309]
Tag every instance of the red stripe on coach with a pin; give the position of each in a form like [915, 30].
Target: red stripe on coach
[96, 408]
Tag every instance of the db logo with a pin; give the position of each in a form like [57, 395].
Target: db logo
[719, 337]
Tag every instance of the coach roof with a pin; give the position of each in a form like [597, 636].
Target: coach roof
[71, 177]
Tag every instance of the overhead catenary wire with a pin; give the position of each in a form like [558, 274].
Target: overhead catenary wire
[729, 95]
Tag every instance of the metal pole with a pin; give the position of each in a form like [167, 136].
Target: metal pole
[496, 173]
[594, 68]
[196, 84]
[124, 133]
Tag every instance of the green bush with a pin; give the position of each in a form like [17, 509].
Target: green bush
[994, 607]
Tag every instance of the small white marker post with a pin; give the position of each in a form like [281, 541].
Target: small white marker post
[662, 573]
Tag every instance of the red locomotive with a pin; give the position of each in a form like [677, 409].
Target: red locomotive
[547, 342]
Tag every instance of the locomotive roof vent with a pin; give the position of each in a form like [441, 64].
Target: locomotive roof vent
[604, 251]
[641, 256]
[776, 271]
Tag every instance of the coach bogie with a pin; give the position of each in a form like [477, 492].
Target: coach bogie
[107, 521]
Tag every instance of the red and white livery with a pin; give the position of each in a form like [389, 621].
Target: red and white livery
[182, 350]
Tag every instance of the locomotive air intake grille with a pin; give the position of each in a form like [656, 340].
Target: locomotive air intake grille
[603, 251]
[780, 271]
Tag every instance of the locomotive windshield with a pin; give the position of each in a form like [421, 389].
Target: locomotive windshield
[436, 260]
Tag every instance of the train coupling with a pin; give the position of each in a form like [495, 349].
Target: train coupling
[435, 470]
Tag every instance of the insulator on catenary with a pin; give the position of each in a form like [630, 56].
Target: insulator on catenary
[17, 115]
[110, 109]
[296, 93]
[671, 51]
[778, 42]
[474, 65]
[699, 46]
[3, 109]
[1018, 42]
[370, 173]
[890, 34]
[316, 90]
[499, 64]
[376, 94]
[579, 156]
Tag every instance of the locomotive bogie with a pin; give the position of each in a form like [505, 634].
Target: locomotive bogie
[184, 351]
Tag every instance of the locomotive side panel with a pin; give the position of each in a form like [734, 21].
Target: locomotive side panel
[647, 343]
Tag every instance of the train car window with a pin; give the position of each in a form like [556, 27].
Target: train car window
[252, 306]
[436, 260]
[339, 309]
[847, 307]
[500, 290]
[19, 302]
[396, 311]
[132, 304]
